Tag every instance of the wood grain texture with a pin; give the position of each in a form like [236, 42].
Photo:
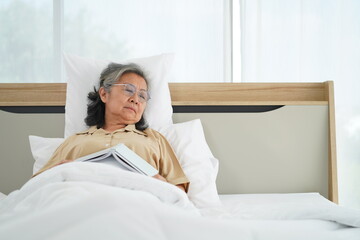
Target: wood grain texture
[247, 93]
[54, 94]
[32, 94]
[333, 180]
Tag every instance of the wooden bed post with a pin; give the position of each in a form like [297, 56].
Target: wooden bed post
[333, 182]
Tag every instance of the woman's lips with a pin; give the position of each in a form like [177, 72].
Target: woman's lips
[133, 109]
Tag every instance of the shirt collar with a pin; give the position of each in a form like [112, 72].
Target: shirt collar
[91, 130]
[131, 127]
[128, 128]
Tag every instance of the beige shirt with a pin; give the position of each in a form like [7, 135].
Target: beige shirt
[148, 144]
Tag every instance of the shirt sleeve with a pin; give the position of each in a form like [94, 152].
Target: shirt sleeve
[170, 167]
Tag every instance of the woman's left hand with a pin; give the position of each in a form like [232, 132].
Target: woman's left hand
[158, 176]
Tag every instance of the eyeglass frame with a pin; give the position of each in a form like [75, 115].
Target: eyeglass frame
[136, 91]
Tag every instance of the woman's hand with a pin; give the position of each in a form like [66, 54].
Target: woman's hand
[158, 176]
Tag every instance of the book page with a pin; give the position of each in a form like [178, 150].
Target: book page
[96, 156]
[125, 163]
[134, 160]
[110, 160]
[121, 156]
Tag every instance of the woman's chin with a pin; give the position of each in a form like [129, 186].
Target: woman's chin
[131, 121]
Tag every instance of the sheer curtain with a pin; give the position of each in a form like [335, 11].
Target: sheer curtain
[311, 41]
[26, 44]
[34, 32]
[122, 29]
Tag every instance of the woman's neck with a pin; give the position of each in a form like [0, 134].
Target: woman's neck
[113, 127]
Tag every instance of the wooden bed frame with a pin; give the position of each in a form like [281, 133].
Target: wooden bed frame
[206, 94]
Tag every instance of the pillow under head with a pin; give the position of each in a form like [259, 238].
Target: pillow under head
[83, 74]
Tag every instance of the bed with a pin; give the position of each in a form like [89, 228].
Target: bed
[261, 157]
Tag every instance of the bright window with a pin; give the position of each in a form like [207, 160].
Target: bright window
[33, 34]
[26, 43]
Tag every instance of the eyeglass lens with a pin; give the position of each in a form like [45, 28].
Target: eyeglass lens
[130, 90]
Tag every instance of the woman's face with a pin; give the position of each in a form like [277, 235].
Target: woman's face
[119, 106]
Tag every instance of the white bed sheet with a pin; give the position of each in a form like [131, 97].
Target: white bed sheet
[302, 207]
[96, 201]
[286, 206]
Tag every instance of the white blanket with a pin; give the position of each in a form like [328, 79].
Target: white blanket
[2, 195]
[96, 201]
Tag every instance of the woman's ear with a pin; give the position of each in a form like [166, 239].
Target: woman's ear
[103, 94]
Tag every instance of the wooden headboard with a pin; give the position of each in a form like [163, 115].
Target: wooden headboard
[206, 96]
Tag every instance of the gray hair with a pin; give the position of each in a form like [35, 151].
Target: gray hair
[114, 71]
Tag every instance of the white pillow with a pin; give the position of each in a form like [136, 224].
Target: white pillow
[189, 144]
[83, 74]
[42, 149]
[197, 161]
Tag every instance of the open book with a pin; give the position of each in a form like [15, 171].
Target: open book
[121, 156]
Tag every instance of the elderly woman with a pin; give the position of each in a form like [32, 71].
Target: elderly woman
[115, 115]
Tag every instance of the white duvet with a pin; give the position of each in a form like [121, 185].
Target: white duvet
[96, 201]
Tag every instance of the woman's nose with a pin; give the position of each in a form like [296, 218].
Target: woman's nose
[134, 99]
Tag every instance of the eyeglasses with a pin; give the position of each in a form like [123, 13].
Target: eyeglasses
[130, 90]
